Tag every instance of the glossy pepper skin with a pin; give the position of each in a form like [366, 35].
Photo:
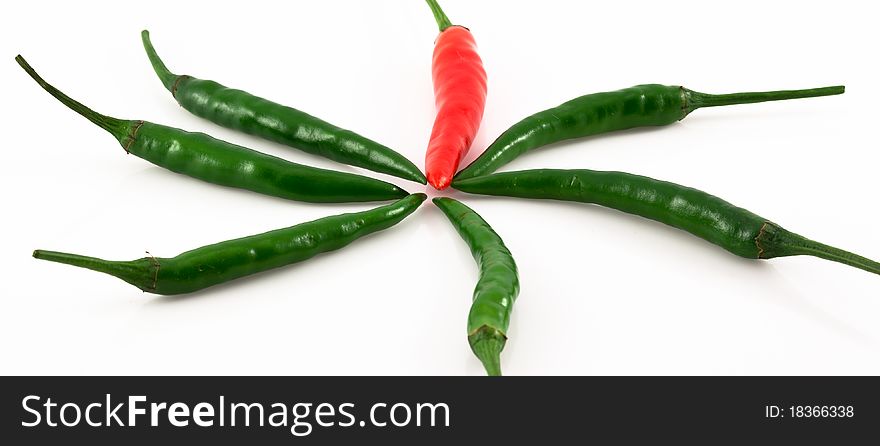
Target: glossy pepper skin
[706, 216]
[460, 97]
[200, 156]
[497, 288]
[242, 111]
[221, 262]
[593, 114]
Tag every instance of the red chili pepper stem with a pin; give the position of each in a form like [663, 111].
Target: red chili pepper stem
[697, 100]
[116, 127]
[440, 16]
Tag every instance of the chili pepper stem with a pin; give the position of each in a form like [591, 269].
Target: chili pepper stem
[165, 75]
[697, 100]
[117, 127]
[487, 344]
[775, 241]
[442, 21]
[134, 272]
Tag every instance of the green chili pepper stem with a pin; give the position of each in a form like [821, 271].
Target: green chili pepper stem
[487, 344]
[775, 241]
[442, 21]
[129, 271]
[697, 100]
[165, 75]
[117, 127]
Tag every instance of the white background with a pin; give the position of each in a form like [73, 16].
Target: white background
[602, 292]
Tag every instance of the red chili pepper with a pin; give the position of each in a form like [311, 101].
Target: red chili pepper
[460, 96]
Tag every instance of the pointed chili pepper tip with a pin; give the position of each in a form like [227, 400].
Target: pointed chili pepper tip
[420, 196]
[458, 183]
[439, 182]
[399, 191]
[487, 344]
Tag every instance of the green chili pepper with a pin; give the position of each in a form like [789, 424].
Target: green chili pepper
[245, 112]
[221, 262]
[496, 290]
[200, 156]
[711, 218]
[592, 114]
